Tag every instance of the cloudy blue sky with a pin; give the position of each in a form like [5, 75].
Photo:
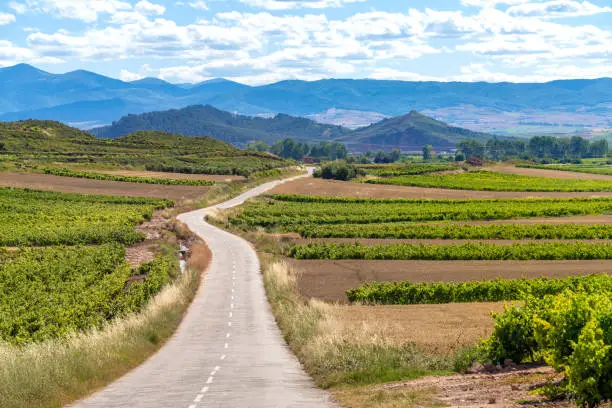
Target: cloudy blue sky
[262, 41]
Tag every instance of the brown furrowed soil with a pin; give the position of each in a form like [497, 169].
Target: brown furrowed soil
[172, 176]
[554, 174]
[320, 187]
[507, 388]
[86, 186]
[438, 329]
[329, 280]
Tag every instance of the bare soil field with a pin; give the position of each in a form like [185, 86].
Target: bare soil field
[554, 174]
[334, 188]
[329, 280]
[507, 388]
[86, 186]
[438, 329]
[173, 176]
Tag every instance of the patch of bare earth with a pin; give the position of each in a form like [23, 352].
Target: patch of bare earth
[172, 176]
[85, 186]
[334, 188]
[438, 329]
[329, 280]
[555, 174]
[508, 388]
[145, 251]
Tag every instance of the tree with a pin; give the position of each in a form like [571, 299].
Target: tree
[471, 148]
[258, 146]
[427, 152]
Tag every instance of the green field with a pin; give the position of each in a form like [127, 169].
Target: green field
[292, 212]
[492, 181]
[531, 251]
[450, 230]
[40, 218]
[390, 170]
[43, 143]
[577, 168]
[127, 179]
[64, 269]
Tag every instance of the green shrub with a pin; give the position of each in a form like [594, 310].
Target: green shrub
[337, 170]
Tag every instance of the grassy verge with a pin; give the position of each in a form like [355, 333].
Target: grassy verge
[334, 354]
[56, 372]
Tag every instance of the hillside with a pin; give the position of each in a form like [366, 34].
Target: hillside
[409, 132]
[46, 142]
[236, 129]
[85, 98]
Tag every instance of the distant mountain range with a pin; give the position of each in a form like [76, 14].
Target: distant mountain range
[407, 132]
[236, 129]
[86, 99]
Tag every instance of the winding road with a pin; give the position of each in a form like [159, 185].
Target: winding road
[228, 351]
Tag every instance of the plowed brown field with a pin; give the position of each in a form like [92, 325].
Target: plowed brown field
[329, 280]
[555, 174]
[86, 186]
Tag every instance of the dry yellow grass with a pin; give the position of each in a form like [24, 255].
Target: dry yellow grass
[440, 329]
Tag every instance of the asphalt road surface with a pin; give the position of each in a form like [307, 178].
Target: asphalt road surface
[228, 351]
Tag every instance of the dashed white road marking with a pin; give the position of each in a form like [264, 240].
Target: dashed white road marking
[227, 335]
[226, 345]
[204, 390]
[210, 380]
[198, 398]
[230, 314]
[223, 357]
[229, 324]
[232, 306]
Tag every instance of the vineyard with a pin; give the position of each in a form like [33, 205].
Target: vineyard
[36, 218]
[408, 293]
[591, 169]
[492, 181]
[469, 251]
[44, 143]
[404, 170]
[127, 179]
[297, 213]
[64, 269]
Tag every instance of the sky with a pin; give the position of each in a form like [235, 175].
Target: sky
[264, 41]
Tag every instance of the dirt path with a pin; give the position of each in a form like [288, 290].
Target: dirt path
[320, 187]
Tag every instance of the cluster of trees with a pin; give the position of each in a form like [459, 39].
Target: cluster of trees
[291, 149]
[338, 170]
[538, 147]
[378, 156]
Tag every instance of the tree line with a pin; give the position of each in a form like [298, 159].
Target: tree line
[291, 149]
[537, 148]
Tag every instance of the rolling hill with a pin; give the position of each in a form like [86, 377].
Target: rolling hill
[409, 132]
[76, 98]
[236, 129]
[48, 142]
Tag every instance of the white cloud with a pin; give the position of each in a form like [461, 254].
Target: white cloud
[297, 4]
[198, 5]
[19, 8]
[148, 8]
[84, 10]
[128, 76]
[6, 18]
[557, 8]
